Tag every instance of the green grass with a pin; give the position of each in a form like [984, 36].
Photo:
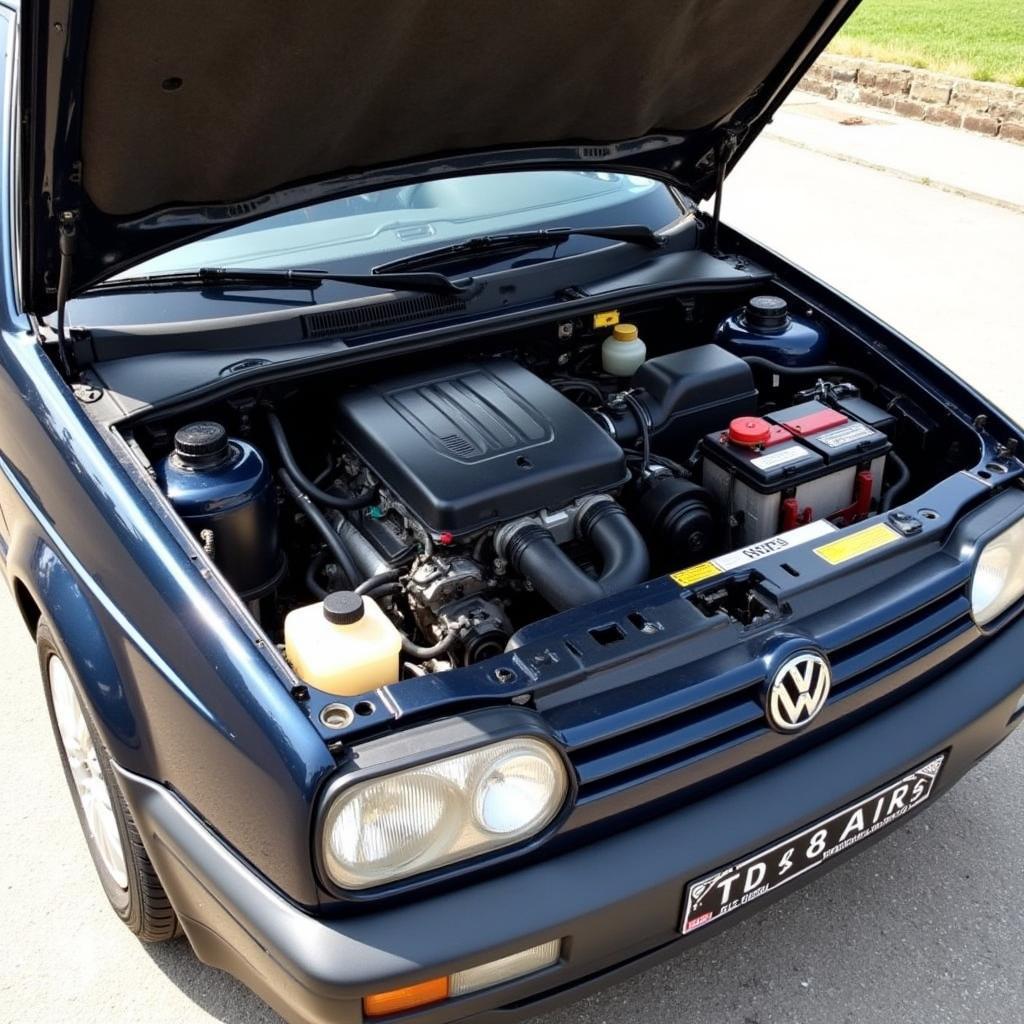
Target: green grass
[981, 39]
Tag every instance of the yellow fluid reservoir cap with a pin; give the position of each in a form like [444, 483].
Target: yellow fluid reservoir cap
[625, 332]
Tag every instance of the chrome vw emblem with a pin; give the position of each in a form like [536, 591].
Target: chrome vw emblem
[798, 692]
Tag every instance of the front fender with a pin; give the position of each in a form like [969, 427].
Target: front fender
[81, 637]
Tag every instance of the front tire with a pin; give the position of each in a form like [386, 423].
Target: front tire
[121, 861]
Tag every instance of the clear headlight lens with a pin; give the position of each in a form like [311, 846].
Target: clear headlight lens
[424, 817]
[998, 580]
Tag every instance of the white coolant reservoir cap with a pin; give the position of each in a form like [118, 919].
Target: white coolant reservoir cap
[343, 607]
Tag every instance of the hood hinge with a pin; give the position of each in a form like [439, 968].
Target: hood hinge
[67, 239]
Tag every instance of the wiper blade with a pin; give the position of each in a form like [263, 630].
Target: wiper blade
[423, 282]
[519, 241]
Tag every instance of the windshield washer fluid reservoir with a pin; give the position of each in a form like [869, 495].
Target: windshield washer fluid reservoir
[622, 352]
[765, 328]
[344, 645]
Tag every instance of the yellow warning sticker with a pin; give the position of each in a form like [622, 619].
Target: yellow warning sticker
[696, 574]
[857, 544]
[609, 318]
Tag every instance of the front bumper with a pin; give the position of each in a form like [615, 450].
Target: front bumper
[616, 902]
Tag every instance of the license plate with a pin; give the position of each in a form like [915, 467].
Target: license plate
[737, 885]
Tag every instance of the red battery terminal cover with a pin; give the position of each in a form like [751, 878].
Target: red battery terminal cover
[862, 494]
[816, 422]
[754, 432]
[793, 516]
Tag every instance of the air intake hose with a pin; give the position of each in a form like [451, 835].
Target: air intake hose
[533, 552]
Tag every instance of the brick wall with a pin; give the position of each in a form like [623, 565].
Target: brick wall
[989, 108]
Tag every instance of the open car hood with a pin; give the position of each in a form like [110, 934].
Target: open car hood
[152, 123]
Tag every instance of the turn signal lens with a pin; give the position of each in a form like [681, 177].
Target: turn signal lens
[998, 581]
[409, 998]
[473, 979]
[415, 820]
[518, 965]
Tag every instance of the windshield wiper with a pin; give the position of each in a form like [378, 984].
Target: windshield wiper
[523, 241]
[387, 275]
[425, 282]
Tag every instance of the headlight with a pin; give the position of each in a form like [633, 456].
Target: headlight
[998, 579]
[424, 817]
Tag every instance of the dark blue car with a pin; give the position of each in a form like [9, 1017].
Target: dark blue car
[464, 571]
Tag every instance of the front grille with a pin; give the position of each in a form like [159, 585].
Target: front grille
[692, 734]
[883, 652]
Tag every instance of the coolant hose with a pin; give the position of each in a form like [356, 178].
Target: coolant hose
[319, 520]
[311, 584]
[534, 553]
[311, 489]
[898, 485]
[424, 653]
[380, 579]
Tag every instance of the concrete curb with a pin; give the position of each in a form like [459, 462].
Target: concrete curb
[941, 186]
[986, 108]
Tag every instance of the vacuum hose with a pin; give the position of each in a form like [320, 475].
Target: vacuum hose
[307, 485]
[334, 543]
[533, 552]
[811, 371]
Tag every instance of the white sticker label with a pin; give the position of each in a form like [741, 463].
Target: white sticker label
[842, 436]
[773, 545]
[783, 457]
[752, 552]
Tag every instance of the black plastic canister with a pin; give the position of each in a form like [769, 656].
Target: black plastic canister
[223, 485]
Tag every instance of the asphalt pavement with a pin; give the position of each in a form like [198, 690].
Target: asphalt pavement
[925, 927]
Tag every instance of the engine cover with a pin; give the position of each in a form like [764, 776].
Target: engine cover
[474, 445]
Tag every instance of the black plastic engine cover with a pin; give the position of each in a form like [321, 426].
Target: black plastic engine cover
[473, 445]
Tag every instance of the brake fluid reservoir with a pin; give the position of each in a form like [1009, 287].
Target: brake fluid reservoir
[344, 645]
[622, 352]
[766, 328]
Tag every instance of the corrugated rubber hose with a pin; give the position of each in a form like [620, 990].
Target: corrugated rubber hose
[533, 552]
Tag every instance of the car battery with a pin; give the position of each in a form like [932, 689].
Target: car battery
[794, 466]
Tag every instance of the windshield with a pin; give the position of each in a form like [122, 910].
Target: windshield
[365, 230]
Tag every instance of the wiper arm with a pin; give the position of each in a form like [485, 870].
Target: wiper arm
[520, 241]
[423, 282]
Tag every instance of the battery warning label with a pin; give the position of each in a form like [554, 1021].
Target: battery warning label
[857, 544]
[752, 553]
[844, 436]
[696, 574]
[794, 453]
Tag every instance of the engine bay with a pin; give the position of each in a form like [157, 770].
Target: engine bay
[432, 513]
